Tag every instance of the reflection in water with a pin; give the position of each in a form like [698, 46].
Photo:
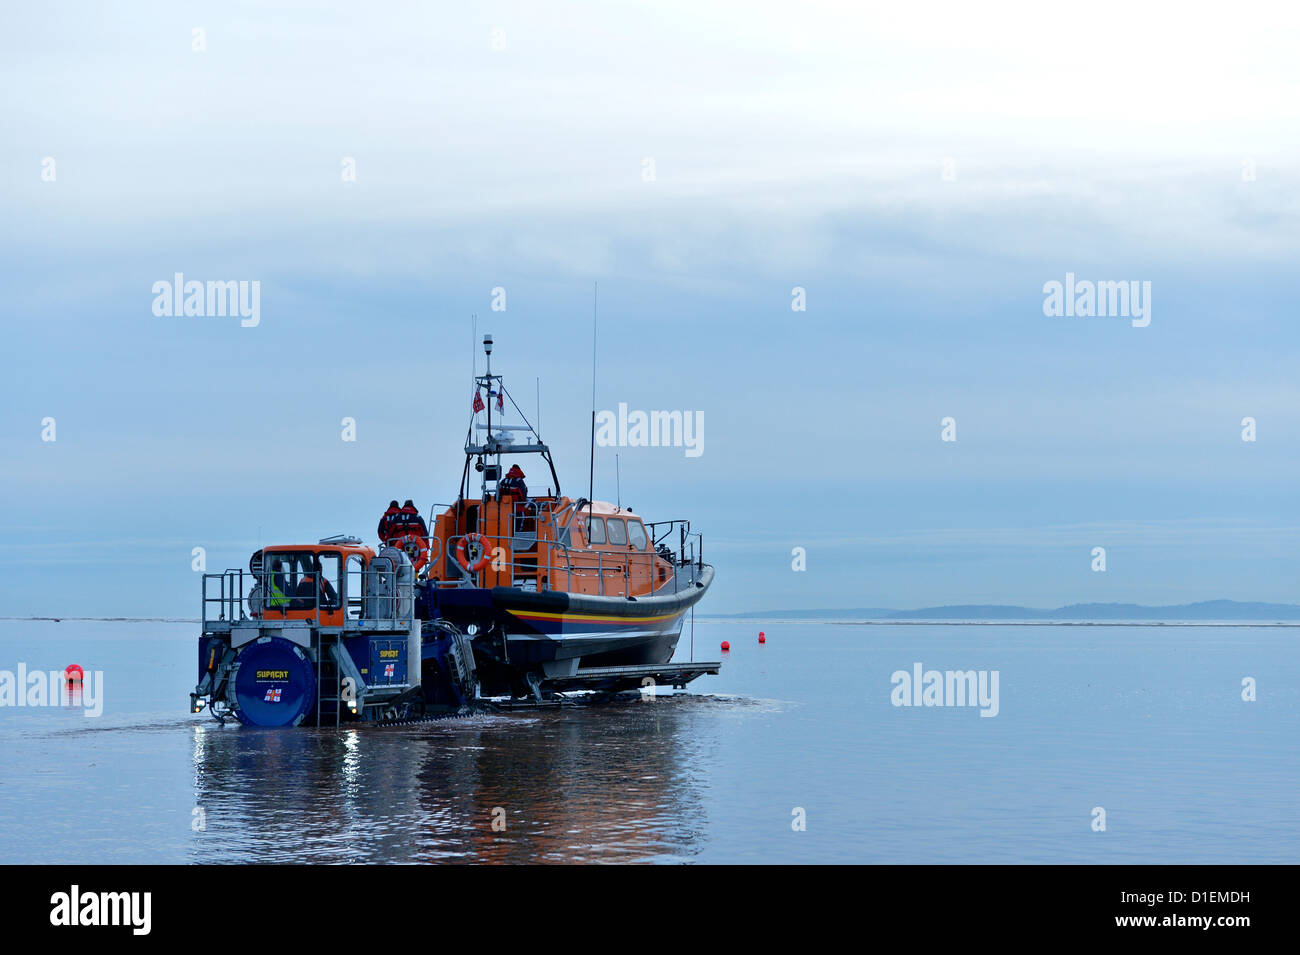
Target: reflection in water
[615, 783]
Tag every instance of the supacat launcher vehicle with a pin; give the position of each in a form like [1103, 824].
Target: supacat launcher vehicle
[511, 598]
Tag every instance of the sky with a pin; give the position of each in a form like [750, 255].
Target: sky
[918, 173]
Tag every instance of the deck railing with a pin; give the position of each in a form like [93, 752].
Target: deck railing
[374, 592]
[563, 564]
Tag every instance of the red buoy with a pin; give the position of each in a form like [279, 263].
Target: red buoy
[725, 646]
[74, 674]
[762, 638]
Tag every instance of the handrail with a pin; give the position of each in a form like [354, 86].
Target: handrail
[231, 593]
[237, 587]
[668, 525]
[573, 562]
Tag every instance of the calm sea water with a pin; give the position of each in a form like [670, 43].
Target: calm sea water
[1147, 723]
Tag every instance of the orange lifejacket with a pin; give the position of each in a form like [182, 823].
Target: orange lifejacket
[388, 523]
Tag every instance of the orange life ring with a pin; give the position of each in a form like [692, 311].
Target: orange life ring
[416, 548]
[462, 553]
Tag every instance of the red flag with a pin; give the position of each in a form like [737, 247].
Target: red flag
[501, 400]
[478, 402]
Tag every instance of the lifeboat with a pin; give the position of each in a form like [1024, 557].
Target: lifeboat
[546, 584]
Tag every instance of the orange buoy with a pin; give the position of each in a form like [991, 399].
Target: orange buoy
[762, 637]
[74, 674]
[725, 646]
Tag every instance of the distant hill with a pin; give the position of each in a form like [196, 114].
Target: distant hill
[858, 613]
[1203, 610]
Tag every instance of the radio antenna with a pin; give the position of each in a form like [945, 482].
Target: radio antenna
[591, 471]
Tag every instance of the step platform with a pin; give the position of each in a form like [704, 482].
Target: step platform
[614, 679]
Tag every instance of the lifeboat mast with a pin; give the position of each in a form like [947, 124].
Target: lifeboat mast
[494, 445]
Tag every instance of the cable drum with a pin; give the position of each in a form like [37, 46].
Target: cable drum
[379, 587]
[402, 581]
[274, 684]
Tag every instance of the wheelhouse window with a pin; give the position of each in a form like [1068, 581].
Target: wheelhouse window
[287, 567]
[636, 534]
[617, 532]
[280, 571]
[596, 530]
[301, 580]
[331, 566]
[352, 586]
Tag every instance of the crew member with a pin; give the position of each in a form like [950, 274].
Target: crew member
[388, 523]
[412, 523]
[413, 535]
[513, 485]
[276, 598]
[314, 585]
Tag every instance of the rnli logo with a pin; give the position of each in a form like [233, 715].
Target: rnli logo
[273, 695]
[390, 669]
[273, 674]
